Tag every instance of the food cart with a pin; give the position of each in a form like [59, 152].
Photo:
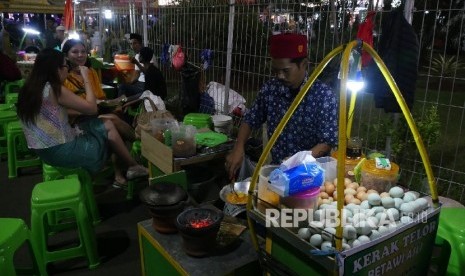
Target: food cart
[405, 249]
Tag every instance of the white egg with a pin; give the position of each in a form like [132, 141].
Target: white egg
[319, 215]
[373, 222]
[358, 217]
[396, 192]
[363, 228]
[363, 239]
[393, 214]
[316, 240]
[356, 243]
[392, 227]
[374, 199]
[349, 232]
[328, 233]
[365, 205]
[407, 209]
[411, 194]
[347, 213]
[378, 209]
[398, 202]
[352, 206]
[406, 219]
[326, 246]
[304, 233]
[422, 202]
[375, 234]
[416, 206]
[382, 218]
[388, 202]
[345, 246]
[383, 230]
[408, 196]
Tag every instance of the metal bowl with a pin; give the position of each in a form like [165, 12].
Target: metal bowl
[242, 186]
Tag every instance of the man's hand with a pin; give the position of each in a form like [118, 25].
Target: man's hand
[234, 161]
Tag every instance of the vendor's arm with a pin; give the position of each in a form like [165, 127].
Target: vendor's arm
[320, 150]
[234, 159]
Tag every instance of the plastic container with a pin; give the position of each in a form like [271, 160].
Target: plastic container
[199, 120]
[183, 140]
[305, 200]
[266, 197]
[380, 180]
[123, 63]
[329, 164]
[159, 126]
[350, 164]
[222, 123]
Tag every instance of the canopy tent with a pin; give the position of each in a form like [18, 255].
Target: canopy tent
[32, 6]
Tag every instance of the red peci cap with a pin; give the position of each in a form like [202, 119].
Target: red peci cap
[288, 46]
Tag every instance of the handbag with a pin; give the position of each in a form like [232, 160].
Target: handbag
[144, 118]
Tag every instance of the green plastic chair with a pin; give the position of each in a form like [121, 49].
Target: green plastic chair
[452, 229]
[19, 156]
[5, 117]
[13, 234]
[54, 195]
[52, 173]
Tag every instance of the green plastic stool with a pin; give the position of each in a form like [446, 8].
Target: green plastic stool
[5, 118]
[7, 107]
[13, 87]
[53, 173]
[452, 229]
[19, 156]
[13, 234]
[11, 98]
[56, 195]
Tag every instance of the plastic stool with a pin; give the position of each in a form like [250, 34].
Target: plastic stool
[7, 107]
[452, 229]
[53, 173]
[15, 138]
[13, 233]
[13, 87]
[11, 98]
[56, 195]
[5, 118]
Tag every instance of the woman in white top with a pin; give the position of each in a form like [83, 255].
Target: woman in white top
[42, 108]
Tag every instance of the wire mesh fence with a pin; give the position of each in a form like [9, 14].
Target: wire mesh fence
[235, 35]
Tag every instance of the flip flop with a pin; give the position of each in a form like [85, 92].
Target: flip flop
[120, 185]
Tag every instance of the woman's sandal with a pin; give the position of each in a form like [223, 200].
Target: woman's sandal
[120, 185]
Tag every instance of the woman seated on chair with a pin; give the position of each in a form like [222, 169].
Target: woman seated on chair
[76, 55]
[42, 108]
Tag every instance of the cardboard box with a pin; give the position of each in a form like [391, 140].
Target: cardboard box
[156, 152]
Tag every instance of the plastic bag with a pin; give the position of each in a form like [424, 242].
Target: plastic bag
[297, 179]
[297, 159]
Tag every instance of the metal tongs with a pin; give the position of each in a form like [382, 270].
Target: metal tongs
[233, 181]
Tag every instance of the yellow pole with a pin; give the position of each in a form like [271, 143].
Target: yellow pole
[279, 129]
[411, 123]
